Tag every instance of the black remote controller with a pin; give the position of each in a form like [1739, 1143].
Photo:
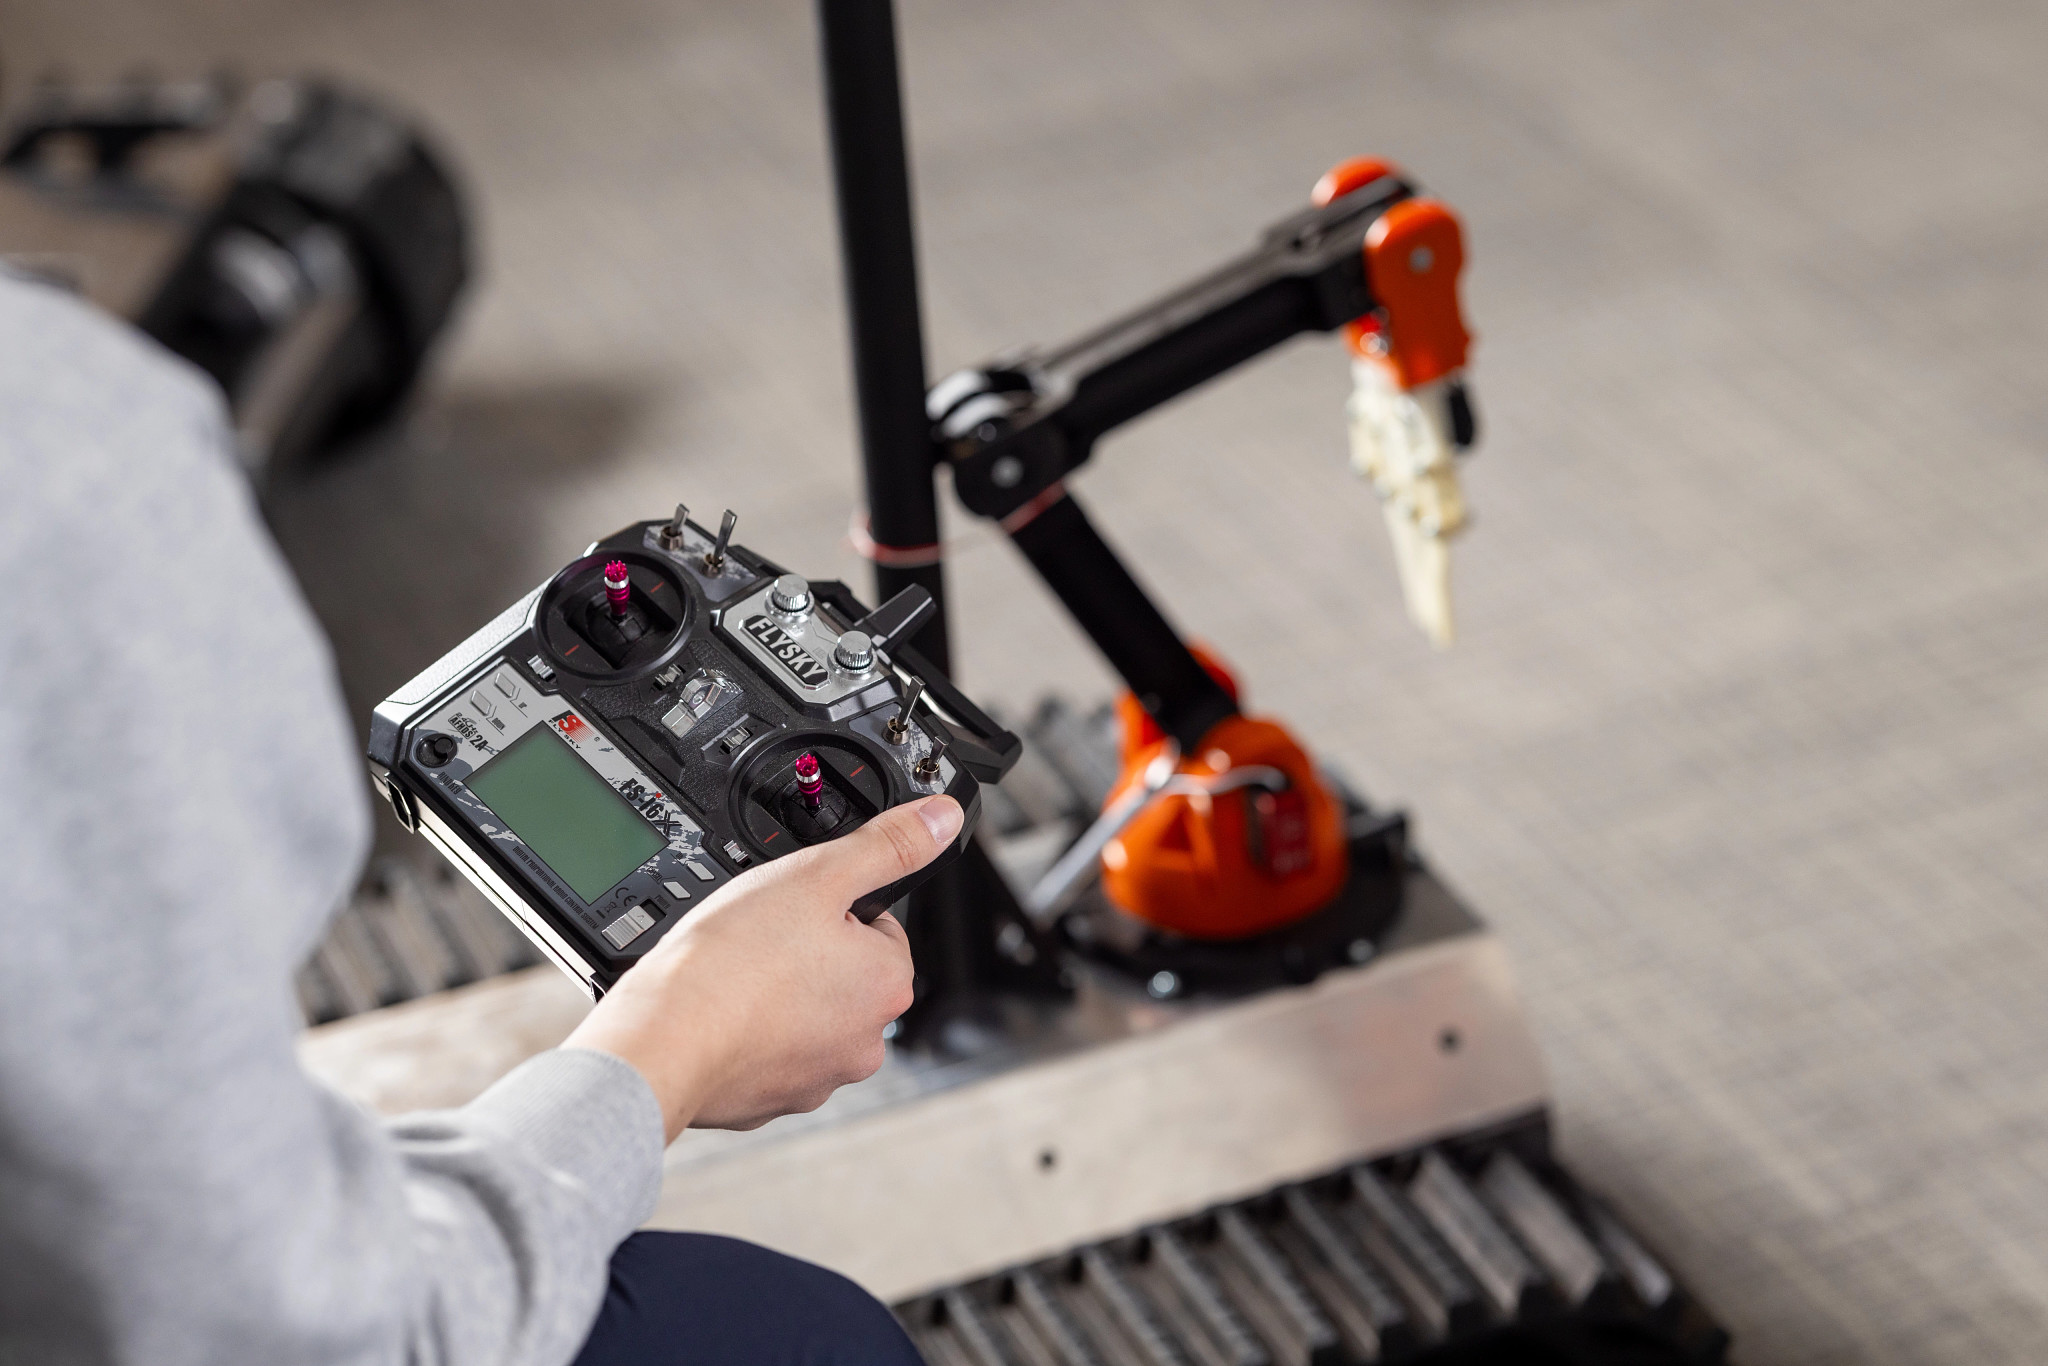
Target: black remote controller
[664, 713]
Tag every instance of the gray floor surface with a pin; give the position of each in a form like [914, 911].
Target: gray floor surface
[1743, 748]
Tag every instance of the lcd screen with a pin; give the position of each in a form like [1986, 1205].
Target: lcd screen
[567, 815]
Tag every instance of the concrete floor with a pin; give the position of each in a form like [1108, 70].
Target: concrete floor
[1744, 747]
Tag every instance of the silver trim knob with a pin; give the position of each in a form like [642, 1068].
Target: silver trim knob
[791, 593]
[855, 652]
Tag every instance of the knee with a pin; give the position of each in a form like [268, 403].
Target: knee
[735, 1300]
[853, 1327]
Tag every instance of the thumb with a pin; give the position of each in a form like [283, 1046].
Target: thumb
[894, 844]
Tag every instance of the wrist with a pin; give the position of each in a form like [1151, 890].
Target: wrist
[676, 1050]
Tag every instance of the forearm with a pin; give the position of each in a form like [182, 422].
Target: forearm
[648, 1022]
[517, 1201]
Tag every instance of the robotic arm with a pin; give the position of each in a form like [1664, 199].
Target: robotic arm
[1369, 256]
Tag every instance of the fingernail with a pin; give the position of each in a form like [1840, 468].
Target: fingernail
[941, 816]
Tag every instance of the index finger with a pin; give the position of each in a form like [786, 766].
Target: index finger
[890, 927]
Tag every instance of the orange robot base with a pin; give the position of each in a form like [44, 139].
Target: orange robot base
[1235, 864]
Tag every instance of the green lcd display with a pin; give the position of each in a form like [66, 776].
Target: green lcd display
[567, 815]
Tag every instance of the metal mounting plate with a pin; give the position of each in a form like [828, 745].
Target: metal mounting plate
[1216, 1104]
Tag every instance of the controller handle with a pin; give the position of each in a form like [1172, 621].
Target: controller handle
[898, 618]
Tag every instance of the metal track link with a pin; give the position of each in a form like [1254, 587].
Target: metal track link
[405, 935]
[1406, 1259]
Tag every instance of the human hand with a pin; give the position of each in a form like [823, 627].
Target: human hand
[771, 995]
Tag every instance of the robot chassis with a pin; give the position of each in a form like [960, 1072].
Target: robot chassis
[1342, 1149]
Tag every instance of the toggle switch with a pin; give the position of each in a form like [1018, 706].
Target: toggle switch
[670, 537]
[898, 729]
[714, 558]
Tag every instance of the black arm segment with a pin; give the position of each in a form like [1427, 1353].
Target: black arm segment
[1092, 583]
[1014, 428]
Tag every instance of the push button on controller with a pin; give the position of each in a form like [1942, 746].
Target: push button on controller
[435, 750]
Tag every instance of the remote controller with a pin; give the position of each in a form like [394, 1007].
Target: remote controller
[666, 712]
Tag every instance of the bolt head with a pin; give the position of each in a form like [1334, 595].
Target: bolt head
[1164, 986]
[1420, 260]
[1007, 472]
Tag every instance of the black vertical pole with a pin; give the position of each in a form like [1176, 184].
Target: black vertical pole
[871, 168]
[878, 253]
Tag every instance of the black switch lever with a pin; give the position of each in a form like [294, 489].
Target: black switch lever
[927, 769]
[898, 730]
[898, 618]
[714, 558]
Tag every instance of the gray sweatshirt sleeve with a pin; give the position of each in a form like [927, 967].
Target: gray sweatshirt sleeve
[181, 807]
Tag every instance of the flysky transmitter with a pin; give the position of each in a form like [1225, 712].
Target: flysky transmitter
[667, 711]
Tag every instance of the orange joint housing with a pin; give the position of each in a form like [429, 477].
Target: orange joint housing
[1413, 256]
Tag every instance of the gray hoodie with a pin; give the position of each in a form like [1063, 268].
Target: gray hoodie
[181, 807]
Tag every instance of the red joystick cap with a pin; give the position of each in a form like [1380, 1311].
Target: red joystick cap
[810, 780]
[618, 588]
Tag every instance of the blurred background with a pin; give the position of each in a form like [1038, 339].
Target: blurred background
[1743, 747]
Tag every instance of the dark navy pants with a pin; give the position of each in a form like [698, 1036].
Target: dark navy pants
[678, 1298]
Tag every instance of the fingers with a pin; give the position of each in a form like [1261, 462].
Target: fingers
[889, 927]
[893, 845]
[894, 972]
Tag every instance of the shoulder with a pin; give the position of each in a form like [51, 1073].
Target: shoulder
[106, 438]
[47, 333]
[82, 394]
